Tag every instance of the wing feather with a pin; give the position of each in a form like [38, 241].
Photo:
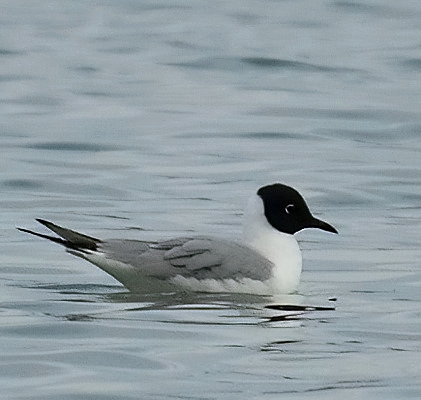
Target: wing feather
[201, 258]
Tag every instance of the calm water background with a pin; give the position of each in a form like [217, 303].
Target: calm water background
[147, 119]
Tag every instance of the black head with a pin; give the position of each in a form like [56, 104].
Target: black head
[287, 211]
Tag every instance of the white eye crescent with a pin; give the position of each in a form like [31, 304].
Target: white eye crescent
[289, 208]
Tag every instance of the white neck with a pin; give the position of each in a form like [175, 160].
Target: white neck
[279, 248]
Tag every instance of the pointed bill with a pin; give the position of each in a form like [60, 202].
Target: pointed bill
[319, 224]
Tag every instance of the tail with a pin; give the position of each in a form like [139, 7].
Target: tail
[70, 239]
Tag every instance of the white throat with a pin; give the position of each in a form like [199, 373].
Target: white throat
[280, 248]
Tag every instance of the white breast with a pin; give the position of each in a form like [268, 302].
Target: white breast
[280, 248]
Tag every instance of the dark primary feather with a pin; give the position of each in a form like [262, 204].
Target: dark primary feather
[76, 239]
[68, 238]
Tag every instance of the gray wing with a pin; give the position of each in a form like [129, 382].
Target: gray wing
[130, 261]
[201, 258]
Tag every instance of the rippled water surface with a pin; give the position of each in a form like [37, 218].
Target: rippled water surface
[138, 119]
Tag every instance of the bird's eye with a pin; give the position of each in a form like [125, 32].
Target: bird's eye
[289, 208]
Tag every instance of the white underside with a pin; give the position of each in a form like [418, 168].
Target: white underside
[244, 285]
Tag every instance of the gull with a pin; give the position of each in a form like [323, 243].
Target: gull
[267, 261]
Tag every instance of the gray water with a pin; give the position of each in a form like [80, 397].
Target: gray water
[144, 119]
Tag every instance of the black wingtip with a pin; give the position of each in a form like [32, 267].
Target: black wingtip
[44, 222]
[68, 238]
[41, 235]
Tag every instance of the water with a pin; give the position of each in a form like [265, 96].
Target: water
[145, 120]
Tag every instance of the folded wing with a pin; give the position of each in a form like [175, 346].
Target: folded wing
[132, 261]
